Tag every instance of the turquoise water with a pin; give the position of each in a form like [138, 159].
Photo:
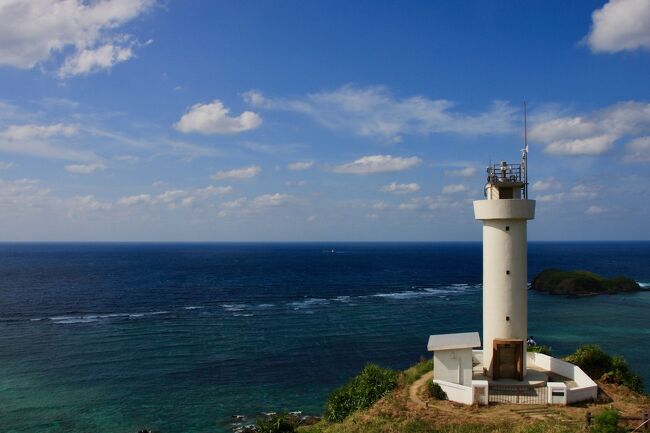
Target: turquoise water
[178, 337]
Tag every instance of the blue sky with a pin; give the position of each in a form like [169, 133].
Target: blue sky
[367, 120]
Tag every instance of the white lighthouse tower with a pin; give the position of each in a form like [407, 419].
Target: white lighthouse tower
[505, 212]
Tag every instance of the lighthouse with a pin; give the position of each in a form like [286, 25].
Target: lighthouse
[504, 213]
[503, 371]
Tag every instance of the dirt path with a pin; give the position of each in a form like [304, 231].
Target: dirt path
[415, 387]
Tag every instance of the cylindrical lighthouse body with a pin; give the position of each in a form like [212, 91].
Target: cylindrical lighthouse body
[505, 273]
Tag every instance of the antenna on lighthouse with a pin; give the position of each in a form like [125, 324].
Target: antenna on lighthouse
[524, 155]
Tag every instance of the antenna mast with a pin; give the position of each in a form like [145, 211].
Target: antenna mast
[525, 153]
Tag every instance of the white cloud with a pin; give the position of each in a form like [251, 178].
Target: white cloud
[462, 172]
[176, 198]
[578, 192]
[29, 131]
[637, 150]
[305, 165]
[546, 184]
[595, 210]
[238, 173]
[4, 165]
[213, 118]
[582, 146]
[84, 168]
[374, 111]
[86, 203]
[34, 31]
[429, 203]
[42, 141]
[401, 188]
[134, 200]
[129, 159]
[377, 164]
[454, 188]
[245, 206]
[270, 200]
[592, 134]
[620, 25]
[86, 61]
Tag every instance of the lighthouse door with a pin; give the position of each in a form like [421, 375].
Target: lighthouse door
[507, 359]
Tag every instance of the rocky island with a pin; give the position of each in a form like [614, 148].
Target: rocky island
[581, 283]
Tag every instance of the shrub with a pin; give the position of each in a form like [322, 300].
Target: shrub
[591, 359]
[606, 422]
[436, 392]
[278, 423]
[414, 373]
[545, 350]
[361, 392]
[599, 365]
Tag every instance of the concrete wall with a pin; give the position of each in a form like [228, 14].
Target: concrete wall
[454, 366]
[505, 271]
[458, 393]
[586, 388]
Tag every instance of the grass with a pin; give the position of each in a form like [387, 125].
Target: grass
[396, 413]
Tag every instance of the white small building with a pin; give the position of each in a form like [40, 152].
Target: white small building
[452, 356]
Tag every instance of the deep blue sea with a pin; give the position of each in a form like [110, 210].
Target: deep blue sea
[111, 338]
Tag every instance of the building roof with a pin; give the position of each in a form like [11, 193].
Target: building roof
[463, 340]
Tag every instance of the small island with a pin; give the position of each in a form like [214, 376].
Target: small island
[581, 283]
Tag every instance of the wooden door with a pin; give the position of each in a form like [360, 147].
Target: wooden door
[508, 359]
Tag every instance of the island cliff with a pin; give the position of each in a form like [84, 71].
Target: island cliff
[581, 283]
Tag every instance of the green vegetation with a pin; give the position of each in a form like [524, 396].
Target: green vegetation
[412, 374]
[435, 391]
[358, 406]
[599, 365]
[545, 350]
[361, 392]
[580, 283]
[606, 422]
[278, 423]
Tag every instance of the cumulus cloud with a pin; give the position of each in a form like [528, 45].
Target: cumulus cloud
[238, 173]
[462, 172]
[401, 188]
[428, 203]
[175, 198]
[24, 194]
[84, 168]
[637, 150]
[44, 141]
[377, 164]
[245, 206]
[582, 146]
[595, 210]
[92, 60]
[578, 192]
[620, 25]
[214, 118]
[374, 111]
[35, 31]
[454, 188]
[270, 200]
[594, 133]
[304, 165]
[546, 184]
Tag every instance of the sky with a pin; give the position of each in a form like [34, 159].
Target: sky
[162, 120]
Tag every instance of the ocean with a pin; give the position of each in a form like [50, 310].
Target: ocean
[111, 337]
